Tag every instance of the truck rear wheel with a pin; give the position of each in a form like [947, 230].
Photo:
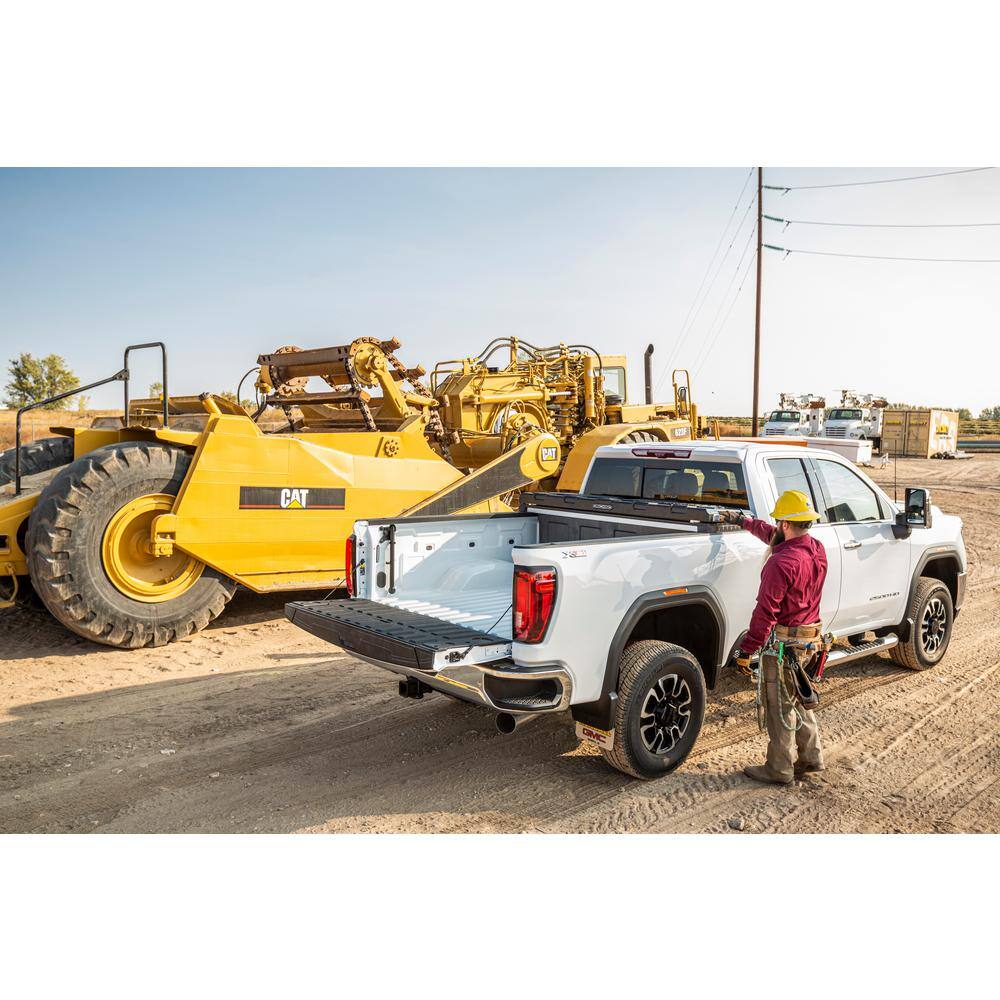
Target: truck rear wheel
[38, 456]
[89, 556]
[660, 708]
[932, 613]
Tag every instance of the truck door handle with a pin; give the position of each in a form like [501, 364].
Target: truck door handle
[852, 545]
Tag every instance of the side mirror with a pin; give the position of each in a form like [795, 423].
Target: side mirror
[916, 512]
[918, 507]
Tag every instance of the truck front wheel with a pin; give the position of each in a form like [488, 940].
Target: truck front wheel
[932, 613]
[660, 709]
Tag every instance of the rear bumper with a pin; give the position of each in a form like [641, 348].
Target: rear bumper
[469, 665]
[501, 686]
[960, 590]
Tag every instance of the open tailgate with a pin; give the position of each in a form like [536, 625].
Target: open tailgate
[396, 635]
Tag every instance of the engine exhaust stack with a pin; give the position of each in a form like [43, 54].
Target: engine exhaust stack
[647, 360]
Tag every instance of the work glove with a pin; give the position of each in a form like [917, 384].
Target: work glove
[731, 517]
[741, 661]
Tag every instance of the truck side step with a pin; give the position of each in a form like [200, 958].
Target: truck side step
[844, 654]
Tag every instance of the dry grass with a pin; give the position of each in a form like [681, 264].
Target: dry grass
[729, 426]
[36, 424]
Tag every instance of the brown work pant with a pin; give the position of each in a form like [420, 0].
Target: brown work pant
[783, 740]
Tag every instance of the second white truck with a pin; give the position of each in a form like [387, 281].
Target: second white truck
[623, 604]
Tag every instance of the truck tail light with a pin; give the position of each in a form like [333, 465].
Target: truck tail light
[534, 599]
[349, 564]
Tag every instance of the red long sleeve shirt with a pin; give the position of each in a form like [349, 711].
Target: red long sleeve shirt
[791, 584]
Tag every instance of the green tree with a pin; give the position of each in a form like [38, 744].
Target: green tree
[247, 404]
[32, 379]
[964, 413]
[990, 413]
[156, 390]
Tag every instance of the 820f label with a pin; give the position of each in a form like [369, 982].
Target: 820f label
[290, 498]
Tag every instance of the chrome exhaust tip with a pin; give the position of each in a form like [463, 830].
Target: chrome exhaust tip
[507, 723]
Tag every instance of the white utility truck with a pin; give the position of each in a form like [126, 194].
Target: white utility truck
[859, 416]
[622, 604]
[796, 416]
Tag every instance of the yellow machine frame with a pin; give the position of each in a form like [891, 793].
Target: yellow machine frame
[485, 406]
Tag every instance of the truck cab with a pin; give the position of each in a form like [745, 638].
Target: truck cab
[796, 416]
[786, 423]
[858, 418]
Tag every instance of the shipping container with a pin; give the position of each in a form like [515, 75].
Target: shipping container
[920, 433]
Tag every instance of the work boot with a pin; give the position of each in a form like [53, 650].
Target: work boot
[762, 773]
[801, 768]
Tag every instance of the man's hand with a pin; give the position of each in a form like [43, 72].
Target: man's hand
[731, 517]
[741, 661]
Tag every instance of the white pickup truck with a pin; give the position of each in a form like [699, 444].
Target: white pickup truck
[623, 604]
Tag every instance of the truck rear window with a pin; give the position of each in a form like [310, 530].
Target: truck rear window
[683, 479]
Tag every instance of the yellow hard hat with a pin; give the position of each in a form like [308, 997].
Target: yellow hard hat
[793, 505]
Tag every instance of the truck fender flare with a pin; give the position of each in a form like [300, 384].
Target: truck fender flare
[601, 713]
[933, 554]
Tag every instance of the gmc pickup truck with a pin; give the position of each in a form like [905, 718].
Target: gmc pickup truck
[622, 604]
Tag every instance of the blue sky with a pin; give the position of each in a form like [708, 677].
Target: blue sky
[225, 264]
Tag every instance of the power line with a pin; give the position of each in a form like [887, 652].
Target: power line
[887, 180]
[725, 229]
[725, 295]
[718, 333]
[870, 256]
[883, 225]
[708, 291]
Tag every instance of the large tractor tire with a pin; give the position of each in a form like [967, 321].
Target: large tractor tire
[639, 437]
[88, 552]
[38, 456]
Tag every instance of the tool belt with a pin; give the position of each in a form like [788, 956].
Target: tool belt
[801, 652]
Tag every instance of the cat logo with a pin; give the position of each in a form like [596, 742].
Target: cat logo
[294, 499]
[549, 454]
[290, 498]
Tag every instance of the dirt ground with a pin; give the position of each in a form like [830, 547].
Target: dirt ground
[256, 726]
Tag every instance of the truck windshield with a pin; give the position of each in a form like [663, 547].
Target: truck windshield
[686, 480]
[784, 416]
[845, 414]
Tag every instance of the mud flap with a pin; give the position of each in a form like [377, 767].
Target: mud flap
[604, 738]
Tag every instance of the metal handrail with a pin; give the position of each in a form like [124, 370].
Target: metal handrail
[166, 395]
[119, 376]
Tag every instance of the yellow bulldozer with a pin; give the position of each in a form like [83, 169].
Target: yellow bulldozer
[137, 531]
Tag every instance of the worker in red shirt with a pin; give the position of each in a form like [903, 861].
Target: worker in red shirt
[786, 627]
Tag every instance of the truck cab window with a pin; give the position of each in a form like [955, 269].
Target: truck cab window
[614, 382]
[713, 482]
[848, 496]
[790, 474]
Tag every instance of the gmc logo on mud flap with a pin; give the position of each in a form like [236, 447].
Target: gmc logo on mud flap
[290, 498]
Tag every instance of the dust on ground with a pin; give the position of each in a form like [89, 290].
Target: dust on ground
[254, 725]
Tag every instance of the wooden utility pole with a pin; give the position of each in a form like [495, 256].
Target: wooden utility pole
[756, 328]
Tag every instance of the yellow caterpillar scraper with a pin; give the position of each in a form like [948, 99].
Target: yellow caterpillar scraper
[139, 534]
